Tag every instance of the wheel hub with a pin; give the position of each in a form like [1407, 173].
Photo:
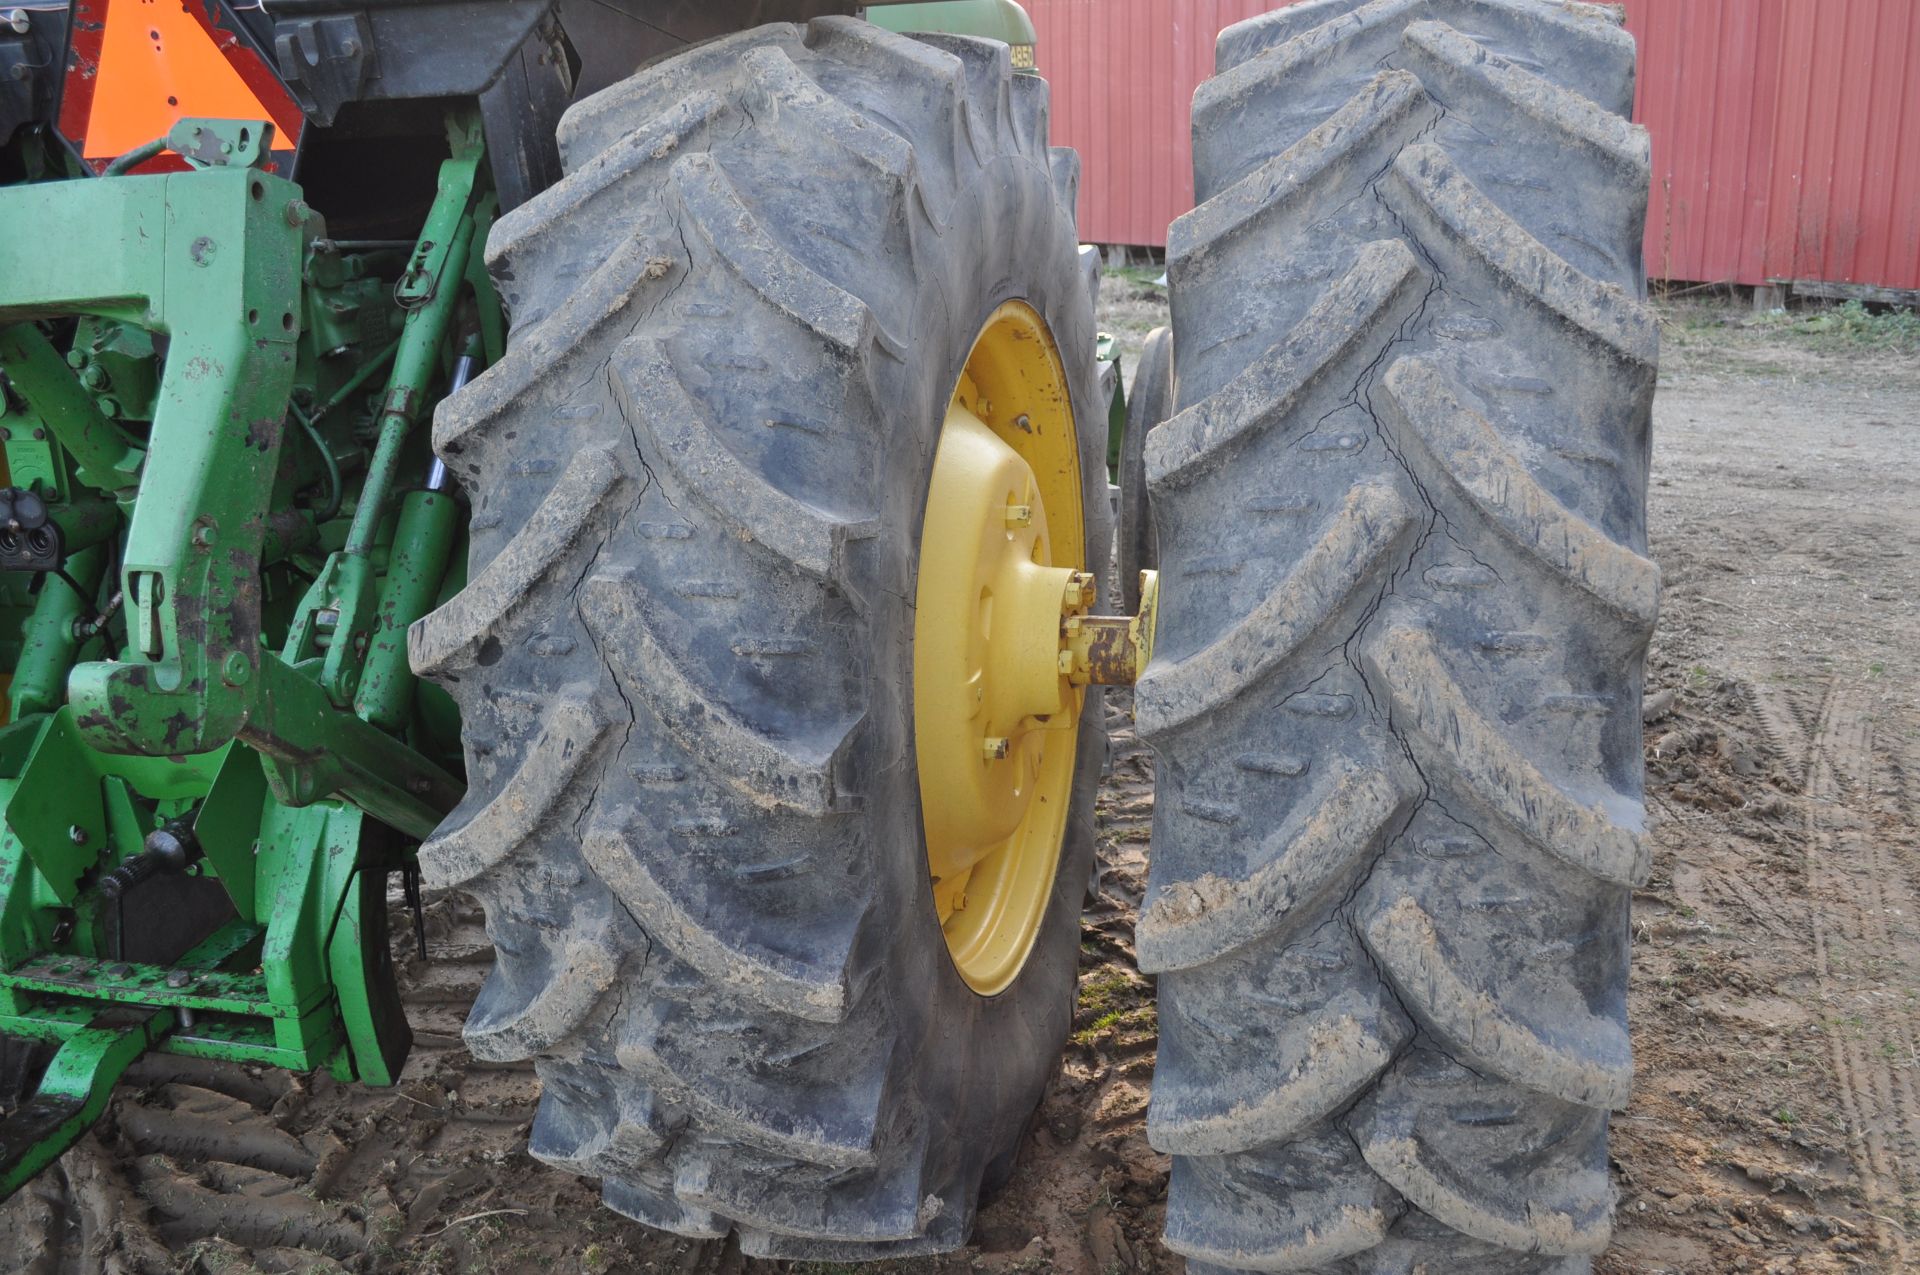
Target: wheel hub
[996, 712]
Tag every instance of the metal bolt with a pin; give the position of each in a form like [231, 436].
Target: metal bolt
[1078, 593]
[177, 979]
[204, 535]
[185, 1018]
[1019, 515]
[1023, 423]
[108, 406]
[77, 835]
[94, 377]
[298, 212]
[6, 436]
[17, 20]
[39, 435]
[994, 747]
[119, 971]
[235, 671]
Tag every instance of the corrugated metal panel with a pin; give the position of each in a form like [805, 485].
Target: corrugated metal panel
[1786, 133]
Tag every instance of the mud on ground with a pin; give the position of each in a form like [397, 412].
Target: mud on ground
[1775, 1125]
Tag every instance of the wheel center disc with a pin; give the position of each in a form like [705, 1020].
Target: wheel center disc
[996, 716]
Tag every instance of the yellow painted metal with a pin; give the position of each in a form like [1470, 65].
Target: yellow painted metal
[1112, 650]
[996, 716]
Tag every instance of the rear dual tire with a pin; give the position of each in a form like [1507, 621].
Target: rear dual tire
[1405, 598]
[684, 656]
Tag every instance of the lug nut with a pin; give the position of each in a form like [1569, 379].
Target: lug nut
[1019, 515]
[994, 747]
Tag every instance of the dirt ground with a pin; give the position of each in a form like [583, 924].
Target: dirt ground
[1775, 1125]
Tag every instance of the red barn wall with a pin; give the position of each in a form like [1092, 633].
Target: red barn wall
[1786, 133]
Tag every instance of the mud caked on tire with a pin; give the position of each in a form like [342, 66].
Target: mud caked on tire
[684, 654]
[1405, 599]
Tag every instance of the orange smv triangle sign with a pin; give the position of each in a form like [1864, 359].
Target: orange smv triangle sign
[157, 64]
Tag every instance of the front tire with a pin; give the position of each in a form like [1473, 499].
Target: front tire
[685, 660]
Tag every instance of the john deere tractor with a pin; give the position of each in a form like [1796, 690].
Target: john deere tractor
[644, 464]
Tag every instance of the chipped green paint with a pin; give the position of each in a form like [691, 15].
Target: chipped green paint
[266, 724]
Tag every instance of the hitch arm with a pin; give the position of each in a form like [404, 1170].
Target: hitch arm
[75, 1090]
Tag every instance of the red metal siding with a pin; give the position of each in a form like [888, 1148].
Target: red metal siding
[1786, 133]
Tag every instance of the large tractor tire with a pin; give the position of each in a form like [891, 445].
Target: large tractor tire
[686, 655]
[1149, 401]
[1401, 513]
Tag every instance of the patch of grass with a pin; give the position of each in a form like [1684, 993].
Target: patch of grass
[1106, 992]
[1850, 326]
[1140, 276]
[1139, 1018]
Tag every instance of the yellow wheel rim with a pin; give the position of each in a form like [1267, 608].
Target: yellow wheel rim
[996, 717]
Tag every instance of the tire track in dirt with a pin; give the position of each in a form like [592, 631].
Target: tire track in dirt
[1780, 723]
[240, 1168]
[1857, 883]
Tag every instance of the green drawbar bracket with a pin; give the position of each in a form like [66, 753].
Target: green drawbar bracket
[75, 1090]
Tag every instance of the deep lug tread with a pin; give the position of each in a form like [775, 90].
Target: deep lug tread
[678, 658]
[1431, 1129]
[1325, 1027]
[794, 772]
[648, 384]
[1437, 719]
[607, 119]
[1463, 444]
[1370, 531]
[813, 987]
[713, 209]
[1467, 230]
[533, 1000]
[1301, 1207]
[1195, 918]
[1415, 272]
[474, 626]
[537, 253]
[474, 841]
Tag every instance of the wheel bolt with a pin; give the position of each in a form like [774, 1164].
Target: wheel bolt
[994, 747]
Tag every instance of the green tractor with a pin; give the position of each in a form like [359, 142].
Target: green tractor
[670, 505]
[491, 467]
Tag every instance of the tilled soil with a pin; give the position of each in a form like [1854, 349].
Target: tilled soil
[1775, 1125]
